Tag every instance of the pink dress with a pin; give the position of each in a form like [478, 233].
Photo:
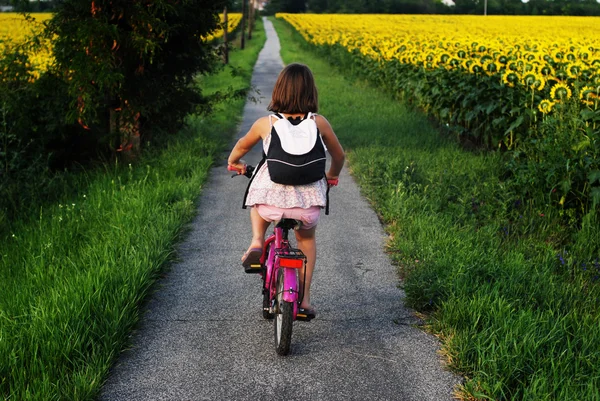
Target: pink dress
[263, 191]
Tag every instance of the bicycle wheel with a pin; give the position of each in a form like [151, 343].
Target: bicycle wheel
[284, 319]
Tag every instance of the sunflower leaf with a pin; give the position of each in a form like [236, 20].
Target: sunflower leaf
[515, 124]
[594, 176]
[593, 115]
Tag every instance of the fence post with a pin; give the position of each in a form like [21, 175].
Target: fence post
[250, 19]
[243, 38]
[225, 40]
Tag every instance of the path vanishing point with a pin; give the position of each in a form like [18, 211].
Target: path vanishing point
[202, 335]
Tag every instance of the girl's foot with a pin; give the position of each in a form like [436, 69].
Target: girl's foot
[306, 306]
[251, 259]
[254, 246]
[306, 314]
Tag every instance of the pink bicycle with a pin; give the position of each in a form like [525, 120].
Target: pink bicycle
[280, 267]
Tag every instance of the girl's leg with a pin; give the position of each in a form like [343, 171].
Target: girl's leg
[306, 241]
[259, 227]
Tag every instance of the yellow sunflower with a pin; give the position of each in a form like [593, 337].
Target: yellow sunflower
[510, 78]
[559, 57]
[513, 65]
[466, 64]
[574, 70]
[475, 67]
[528, 79]
[561, 75]
[533, 81]
[539, 83]
[490, 67]
[560, 91]
[588, 95]
[545, 106]
[547, 70]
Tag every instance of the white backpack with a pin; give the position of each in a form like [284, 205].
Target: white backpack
[296, 154]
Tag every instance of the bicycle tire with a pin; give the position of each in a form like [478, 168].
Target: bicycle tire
[284, 320]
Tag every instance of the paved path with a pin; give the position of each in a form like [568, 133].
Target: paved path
[203, 336]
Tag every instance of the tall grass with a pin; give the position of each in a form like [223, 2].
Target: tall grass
[513, 294]
[73, 276]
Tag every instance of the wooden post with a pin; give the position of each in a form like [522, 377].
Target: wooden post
[225, 42]
[250, 19]
[243, 37]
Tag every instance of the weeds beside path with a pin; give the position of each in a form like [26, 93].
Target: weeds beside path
[518, 317]
[73, 276]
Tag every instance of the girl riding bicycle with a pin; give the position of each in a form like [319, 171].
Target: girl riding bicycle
[294, 98]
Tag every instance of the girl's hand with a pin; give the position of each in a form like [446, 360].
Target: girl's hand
[332, 181]
[239, 167]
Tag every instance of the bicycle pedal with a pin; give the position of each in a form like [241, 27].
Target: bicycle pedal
[253, 269]
[303, 317]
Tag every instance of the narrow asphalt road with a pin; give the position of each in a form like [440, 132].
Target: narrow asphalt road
[203, 336]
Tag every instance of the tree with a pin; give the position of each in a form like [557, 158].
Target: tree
[366, 7]
[31, 6]
[130, 64]
[285, 6]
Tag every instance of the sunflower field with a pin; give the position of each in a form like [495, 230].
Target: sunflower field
[16, 33]
[15, 29]
[13, 26]
[508, 82]
[233, 20]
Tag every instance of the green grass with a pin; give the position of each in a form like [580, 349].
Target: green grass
[512, 293]
[73, 277]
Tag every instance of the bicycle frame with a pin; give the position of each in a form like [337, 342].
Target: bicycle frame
[281, 257]
[280, 267]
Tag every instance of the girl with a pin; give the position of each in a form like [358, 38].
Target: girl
[294, 97]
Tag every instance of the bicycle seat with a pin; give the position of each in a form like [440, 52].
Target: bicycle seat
[288, 224]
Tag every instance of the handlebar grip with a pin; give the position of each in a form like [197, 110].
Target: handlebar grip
[237, 170]
[333, 182]
[247, 171]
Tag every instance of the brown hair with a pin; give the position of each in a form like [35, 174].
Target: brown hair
[295, 91]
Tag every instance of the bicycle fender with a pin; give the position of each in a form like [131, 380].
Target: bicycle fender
[290, 284]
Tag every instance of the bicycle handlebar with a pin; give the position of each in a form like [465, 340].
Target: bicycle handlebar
[248, 170]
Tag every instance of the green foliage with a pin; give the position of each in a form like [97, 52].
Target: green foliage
[477, 108]
[494, 7]
[559, 163]
[110, 55]
[28, 6]
[30, 123]
[73, 274]
[133, 57]
[285, 6]
[512, 289]
[74, 279]
[552, 158]
[378, 7]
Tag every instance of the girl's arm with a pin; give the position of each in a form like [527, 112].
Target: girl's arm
[333, 147]
[247, 142]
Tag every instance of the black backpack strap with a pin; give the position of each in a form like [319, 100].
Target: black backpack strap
[258, 166]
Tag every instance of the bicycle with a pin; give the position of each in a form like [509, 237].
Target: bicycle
[279, 266]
